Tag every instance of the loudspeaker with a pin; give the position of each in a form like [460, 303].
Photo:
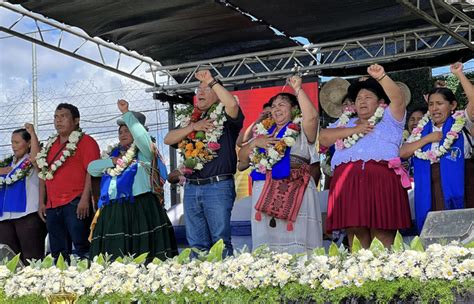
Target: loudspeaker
[449, 225]
[7, 252]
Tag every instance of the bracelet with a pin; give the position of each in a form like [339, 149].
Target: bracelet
[213, 83]
[381, 77]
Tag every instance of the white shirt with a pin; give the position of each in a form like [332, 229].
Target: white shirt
[314, 154]
[32, 194]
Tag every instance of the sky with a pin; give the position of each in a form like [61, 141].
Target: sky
[61, 79]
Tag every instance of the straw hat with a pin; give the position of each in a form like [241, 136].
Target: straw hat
[332, 95]
[406, 91]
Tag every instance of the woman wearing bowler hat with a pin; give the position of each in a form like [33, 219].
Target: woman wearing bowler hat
[368, 196]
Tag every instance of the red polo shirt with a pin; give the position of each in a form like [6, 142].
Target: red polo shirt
[68, 181]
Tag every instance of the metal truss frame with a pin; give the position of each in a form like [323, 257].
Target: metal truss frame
[441, 37]
[429, 10]
[97, 55]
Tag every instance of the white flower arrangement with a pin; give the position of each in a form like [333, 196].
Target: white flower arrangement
[47, 170]
[434, 155]
[263, 161]
[124, 161]
[349, 141]
[249, 271]
[18, 174]
[204, 148]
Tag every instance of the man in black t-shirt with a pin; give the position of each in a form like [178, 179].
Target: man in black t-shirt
[209, 193]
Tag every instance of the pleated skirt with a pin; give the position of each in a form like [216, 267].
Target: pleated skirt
[367, 194]
[133, 228]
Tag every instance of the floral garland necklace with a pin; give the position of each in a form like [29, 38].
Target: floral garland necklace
[122, 162]
[263, 161]
[105, 154]
[434, 155]
[6, 162]
[23, 171]
[200, 147]
[47, 173]
[349, 141]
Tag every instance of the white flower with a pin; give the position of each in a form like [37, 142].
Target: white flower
[71, 146]
[282, 275]
[74, 137]
[273, 154]
[199, 166]
[260, 129]
[289, 141]
[442, 149]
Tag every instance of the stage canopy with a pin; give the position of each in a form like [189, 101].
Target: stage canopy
[177, 32]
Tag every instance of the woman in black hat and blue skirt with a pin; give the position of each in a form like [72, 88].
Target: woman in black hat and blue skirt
[130, 219]
[368, 192]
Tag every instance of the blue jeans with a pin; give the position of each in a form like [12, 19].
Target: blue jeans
[207, 210]
[64, 227]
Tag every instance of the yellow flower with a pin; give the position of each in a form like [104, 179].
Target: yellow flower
[280, 147]
[267, 123]
[194, 153]
[200, 145]
[189, 147]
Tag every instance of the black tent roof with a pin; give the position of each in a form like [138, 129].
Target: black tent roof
[180, 31]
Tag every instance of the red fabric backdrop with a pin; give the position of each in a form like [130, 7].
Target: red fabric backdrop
[251, 101]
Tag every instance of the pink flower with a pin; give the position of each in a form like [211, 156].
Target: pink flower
[458, 114]
[453, 134]
[213, 146]
[261, 168]
[431, 155]
[323, 149]
[350, 109]
[186, 170]
[416, 131]
[383, 105]
[339, 144]
[120, 162]
[25, 164]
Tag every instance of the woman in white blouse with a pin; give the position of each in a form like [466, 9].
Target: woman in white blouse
[20, 225]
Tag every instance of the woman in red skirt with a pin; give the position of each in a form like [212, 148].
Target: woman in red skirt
[367, 195]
